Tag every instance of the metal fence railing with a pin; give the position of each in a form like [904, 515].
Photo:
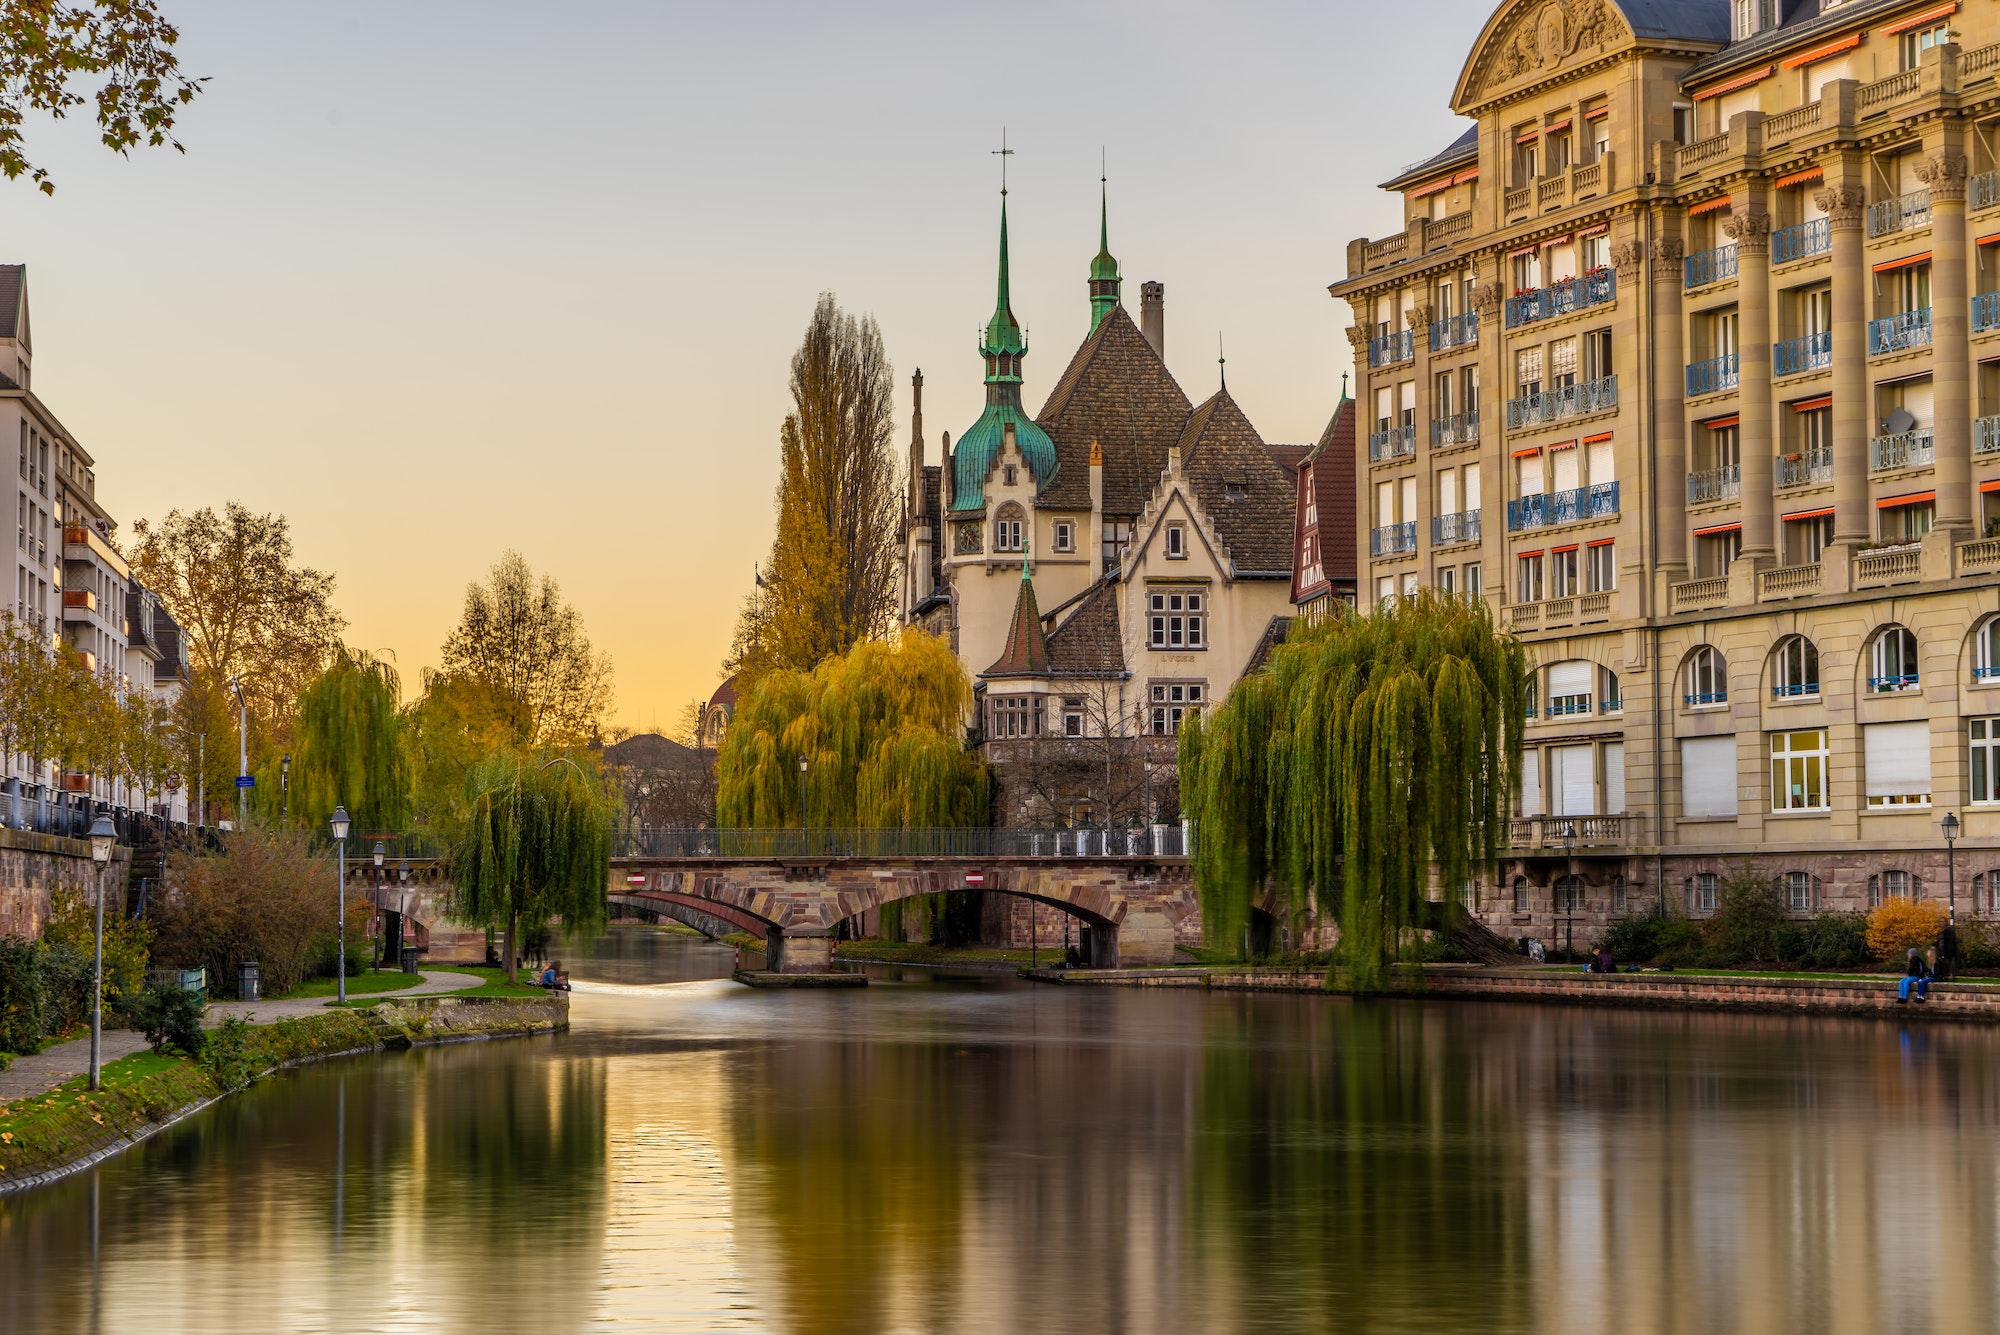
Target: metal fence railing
[1137, 841]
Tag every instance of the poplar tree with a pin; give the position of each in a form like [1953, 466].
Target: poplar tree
[882, 730]
[832, 576]
[1368, 752]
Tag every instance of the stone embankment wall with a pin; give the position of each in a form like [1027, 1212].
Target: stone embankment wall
[71, 1134]
[34, 866]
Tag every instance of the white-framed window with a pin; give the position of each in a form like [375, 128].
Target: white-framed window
[1898, 763]
[1471, 579]
[1985, 741]
[1065, 536]
[1799, 890]
[1117, 537]
[1914, 44]
[1385, 590]
[1796, 669]
[1798, 770]
[1985, 643]
[1894, 884]
[1701, 892]
[1563, 570]
[1600, 573]
[1893, 661]
[1007, 533]
[1014, 715]
[1528, 588]
[1177, 620]
[1707, 677]
[1173, 701]
[1072, 716]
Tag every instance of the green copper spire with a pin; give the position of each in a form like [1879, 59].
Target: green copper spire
[1003, 347]
[1103, 269]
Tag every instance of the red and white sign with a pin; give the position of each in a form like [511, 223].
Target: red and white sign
[975, 878]
[636, 881]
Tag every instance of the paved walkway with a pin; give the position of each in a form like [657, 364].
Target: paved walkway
[64, 1061]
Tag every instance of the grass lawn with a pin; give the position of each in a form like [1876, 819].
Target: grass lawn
[493, 984]
[387, 980]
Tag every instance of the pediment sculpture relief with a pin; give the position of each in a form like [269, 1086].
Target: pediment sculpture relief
[1542, 38]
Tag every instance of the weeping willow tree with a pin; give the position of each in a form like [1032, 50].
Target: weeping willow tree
[535, 846]
[1368, 752]
[347, 750]
[882, 730]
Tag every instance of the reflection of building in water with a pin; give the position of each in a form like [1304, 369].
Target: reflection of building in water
[1682, 360]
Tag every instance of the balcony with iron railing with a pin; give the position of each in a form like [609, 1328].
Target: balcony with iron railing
[1712, 376]
[1986, 435]
[1567, 706]
[1708, 266]
[1398, 442]
[1457, 429]
[1985, 311]
[1715, 484]
[1597, 501]
[1899, 333]
[1805, 468]
[1392, 348]
[1455, 331]
[1552, 405]
[1812, 237]
[1810, 352]
[1460, 527]
[1572, 294]
[1901, 214]
[1393, 539]
[1910, 449]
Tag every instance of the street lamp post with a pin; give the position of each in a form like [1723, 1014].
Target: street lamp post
[802, 802]
[340, 825]
[378, 901]
[242, 753]
[285, 784]
[1950, 827]
[103, 835]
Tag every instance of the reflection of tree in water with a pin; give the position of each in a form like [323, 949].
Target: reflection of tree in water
[1350, 1169]
[474, 1170]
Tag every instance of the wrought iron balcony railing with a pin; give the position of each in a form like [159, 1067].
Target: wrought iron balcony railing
[1812, 352]
[1455, 331]
[1458, 429]
[1572, 294]
[1895, 333]
[1911, 449]
[1596, 501]
[1806, 468]
[1392, 348]
[1708, 266]
[1550, 405]
[1393, 539]
[1900, 214]
[1985, 311]
[1712, 376]
[1800, 240]
[1715, 484]
[1460, 527]
[1398, 442]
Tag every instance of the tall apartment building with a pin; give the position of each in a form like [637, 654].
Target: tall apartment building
[1687, 360]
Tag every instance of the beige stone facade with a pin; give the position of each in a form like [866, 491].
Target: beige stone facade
[1687, 361]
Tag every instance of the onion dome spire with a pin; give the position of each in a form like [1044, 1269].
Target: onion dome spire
[1104, 280]
[1004, 345]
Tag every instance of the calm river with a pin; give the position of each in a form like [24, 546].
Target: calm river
[973, 1154]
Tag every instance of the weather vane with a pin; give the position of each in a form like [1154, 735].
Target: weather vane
[1003, 153]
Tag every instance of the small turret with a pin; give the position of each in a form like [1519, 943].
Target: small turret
[1104, 280]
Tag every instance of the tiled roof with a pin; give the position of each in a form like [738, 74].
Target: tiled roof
[1334, 491]
[1690, 20]
[1289, 457]
[649, 750]
[1088, 644]
[1465, 148]
[1802, 24]
[1247, 493]
[1273, 636]
[1118, 392]
[1026, 653]
[725, 695]
[11, 278]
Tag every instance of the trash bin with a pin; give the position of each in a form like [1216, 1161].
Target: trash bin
[247, 981]
[409, 959]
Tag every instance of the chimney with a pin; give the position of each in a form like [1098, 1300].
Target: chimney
[1153, 315]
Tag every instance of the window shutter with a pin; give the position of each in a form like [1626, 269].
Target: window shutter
[1571, 678]
[1566, 470]
[1898, 758]
[1531, 783]
[1708, 776]
[1602, 467]
[1614, 778]
[1572, 780]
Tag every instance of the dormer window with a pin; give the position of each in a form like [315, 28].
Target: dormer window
[1008, 474]
[1235, 487]
[1754, 16]
[1176, 542]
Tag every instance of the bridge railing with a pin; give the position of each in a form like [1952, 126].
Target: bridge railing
[1164, 841]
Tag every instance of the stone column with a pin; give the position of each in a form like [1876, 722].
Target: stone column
[1845, 205]
[1951, 332]
[1418, 317]
[1489, 299]
[1669, 414]
[1750, 229]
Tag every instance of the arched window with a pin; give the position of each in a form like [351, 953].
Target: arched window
[1986, 650]
[1618, 893]
[1894, 885]
[1531, 706]
[1701, 892]
[1893, 661]
[1979, 901]
[1799, 890]
[1796, 671]
[1610, 697]
[1007, 530]
[1520, 894]
[1707, 679]
[1569, 687]
[1569, 895]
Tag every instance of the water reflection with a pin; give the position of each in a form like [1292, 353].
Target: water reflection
[938, 1154]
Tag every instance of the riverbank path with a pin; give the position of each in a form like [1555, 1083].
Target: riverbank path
[53, 1065]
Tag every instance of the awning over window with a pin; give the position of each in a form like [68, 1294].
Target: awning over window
[1914, 498]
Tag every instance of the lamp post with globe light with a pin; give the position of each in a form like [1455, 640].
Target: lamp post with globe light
[341, 825]
[103, 836]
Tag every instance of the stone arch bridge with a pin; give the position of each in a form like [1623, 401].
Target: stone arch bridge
[1133, 888]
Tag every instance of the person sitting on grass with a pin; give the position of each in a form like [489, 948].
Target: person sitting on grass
[1601, 961]
[1915, 974]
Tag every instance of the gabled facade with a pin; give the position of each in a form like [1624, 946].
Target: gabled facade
[1686, 359]
[1158, 533]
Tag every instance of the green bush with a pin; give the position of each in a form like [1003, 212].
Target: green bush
[1633, 940]
[1748, 912]
[169, 1016]
[1976, 946]
[1834, 941]
[20, 995]
[1790, 941]
[225, 1053]
[1678, 943]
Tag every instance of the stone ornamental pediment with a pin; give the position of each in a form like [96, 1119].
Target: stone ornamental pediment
[1537, 38]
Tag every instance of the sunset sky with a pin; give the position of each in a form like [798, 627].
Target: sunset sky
[439, 279]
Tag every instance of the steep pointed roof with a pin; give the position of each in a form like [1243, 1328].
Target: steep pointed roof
[1118, 392]
[1003, 347]
[1087, 643]
[1027, 649]
[1104, 281]
[1003, 331]
[1335, 492]
[1249, 495]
